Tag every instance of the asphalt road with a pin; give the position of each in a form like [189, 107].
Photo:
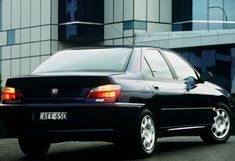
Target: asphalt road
[169, 149]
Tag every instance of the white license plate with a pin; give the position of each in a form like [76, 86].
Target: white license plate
[53, 116]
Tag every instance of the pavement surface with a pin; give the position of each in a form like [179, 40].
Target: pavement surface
[168, 149]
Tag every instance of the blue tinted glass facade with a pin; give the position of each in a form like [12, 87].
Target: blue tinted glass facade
[81, 20]
[203, 15]
[128, 25]
[229, 9]
[181, 10]
[216, 59]
[81, 32]
[141, 25]
[10, 37]
[199, 9]
[81, 10]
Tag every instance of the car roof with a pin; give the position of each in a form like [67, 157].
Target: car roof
[112, 46]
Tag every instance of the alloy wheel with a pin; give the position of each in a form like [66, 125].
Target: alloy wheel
[147, 131]
[221, 125]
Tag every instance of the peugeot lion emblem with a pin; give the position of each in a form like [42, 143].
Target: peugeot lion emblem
[54, 92]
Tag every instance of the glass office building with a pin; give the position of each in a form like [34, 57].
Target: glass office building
[203, 14]
[28, 35]
[81, 20]
[192, 15]
[216, 59]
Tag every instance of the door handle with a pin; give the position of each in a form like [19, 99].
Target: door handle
[155, 87]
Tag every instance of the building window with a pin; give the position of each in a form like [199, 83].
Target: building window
[203, 14]
[128, 25]
[183, 69]
[216, 59]
[10, 37]
[141, 25]
[71, 10]
[81, 10]
[81, 20]
[159, 67]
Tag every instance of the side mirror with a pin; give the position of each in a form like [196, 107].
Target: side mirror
[205, 76]
[190, 83]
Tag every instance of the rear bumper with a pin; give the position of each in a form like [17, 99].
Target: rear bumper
[84, 122]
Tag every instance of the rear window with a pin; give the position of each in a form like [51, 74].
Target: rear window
[87, 60]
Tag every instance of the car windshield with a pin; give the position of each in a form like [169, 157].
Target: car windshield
[111, 59]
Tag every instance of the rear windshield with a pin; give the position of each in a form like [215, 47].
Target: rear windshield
[113, 59]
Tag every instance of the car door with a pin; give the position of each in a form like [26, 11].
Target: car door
[197, 94]
[168, 92]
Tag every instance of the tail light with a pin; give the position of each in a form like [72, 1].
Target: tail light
[105, 91]
[10, 93]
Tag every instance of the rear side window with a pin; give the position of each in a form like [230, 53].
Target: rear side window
[182, 68]
[159, 67]
[146, 71]
[112, 59]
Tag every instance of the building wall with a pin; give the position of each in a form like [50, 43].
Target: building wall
[124, 18]
[81, 21]
[216, 59]
[203, 15]
[28, 34]
[29, 29]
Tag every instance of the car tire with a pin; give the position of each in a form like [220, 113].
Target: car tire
[32, 147]
[220, 130]
[145, 138]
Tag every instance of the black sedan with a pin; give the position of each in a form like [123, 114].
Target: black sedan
[126, 95]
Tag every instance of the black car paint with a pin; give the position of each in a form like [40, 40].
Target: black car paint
[173, 105]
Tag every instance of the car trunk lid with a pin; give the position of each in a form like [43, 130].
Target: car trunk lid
[57, 88]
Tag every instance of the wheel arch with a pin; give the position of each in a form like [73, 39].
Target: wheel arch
[155, 112]
[225, 102]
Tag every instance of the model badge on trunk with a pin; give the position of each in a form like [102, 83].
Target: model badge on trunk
[54, 92]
